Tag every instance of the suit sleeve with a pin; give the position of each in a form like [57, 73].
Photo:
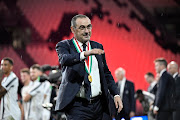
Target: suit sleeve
[65, 57]
[109, 78]
[161, 90]
[133, 102]
[178, 87]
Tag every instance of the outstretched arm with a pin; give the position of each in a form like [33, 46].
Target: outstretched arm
[2, 89]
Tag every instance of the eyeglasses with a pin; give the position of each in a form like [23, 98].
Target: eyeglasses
[82, 27]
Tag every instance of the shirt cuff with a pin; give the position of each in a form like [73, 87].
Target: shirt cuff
[156, 108]
[116, 96]
[82, 57]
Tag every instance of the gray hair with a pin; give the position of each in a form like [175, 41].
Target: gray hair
[73, 20]
[175, 65]
[121, 70]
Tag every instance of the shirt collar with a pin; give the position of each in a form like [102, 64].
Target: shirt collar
[162, 71]
[80, 43]
[175, 74]
[122, 81]
[153, 84]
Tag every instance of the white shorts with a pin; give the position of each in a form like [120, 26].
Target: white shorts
[8, 118]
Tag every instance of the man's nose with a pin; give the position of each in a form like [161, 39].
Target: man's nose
[86, 30]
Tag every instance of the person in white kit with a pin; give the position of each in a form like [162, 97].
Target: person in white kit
[35, 95]
[47, 94]
[8, 91]
[46, 101]
[25, 78]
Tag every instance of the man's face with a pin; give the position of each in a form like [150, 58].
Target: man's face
[6, 66]
[24, 77]
[158, 67]
[147, 78]
[34, 73]
[171, 69]
[119, 75]
[82, 31]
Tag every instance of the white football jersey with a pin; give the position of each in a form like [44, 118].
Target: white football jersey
[9, 102]
[26, 105]
[37, 93]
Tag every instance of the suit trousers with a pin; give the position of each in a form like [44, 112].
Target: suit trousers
[176, 115]
[84, 110]
[164, 115]
[122, 114]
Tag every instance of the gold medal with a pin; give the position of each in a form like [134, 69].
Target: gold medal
[88, 62]
[90, 78]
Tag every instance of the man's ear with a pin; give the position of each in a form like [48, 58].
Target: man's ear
[72, 29]
[11, 67]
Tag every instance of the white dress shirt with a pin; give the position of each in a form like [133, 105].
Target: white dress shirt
[175, 74]
[122, 85]
[162, 71]
[95, 84]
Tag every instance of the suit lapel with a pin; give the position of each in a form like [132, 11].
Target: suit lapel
[93, 45]
[125, 87]
[72, 45]
[176, 76]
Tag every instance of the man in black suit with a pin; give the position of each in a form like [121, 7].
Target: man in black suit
[126, 92]
[173, 70]
[149, 77]
[164, 99]
[84, 93]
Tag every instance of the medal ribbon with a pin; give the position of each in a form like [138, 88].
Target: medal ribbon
[88, 62]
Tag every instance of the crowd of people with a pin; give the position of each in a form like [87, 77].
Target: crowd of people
[88, 90]
[161, 101]
[35, 100]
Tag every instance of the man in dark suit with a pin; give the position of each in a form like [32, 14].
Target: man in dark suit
[126, 92]
[86, 79]
[173, 70]
[149, 77]
[164, 98]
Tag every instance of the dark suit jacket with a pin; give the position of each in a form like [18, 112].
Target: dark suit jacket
[73, 72]
[154, 89]
[177, 81]
[128, 97]
[165, 94]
